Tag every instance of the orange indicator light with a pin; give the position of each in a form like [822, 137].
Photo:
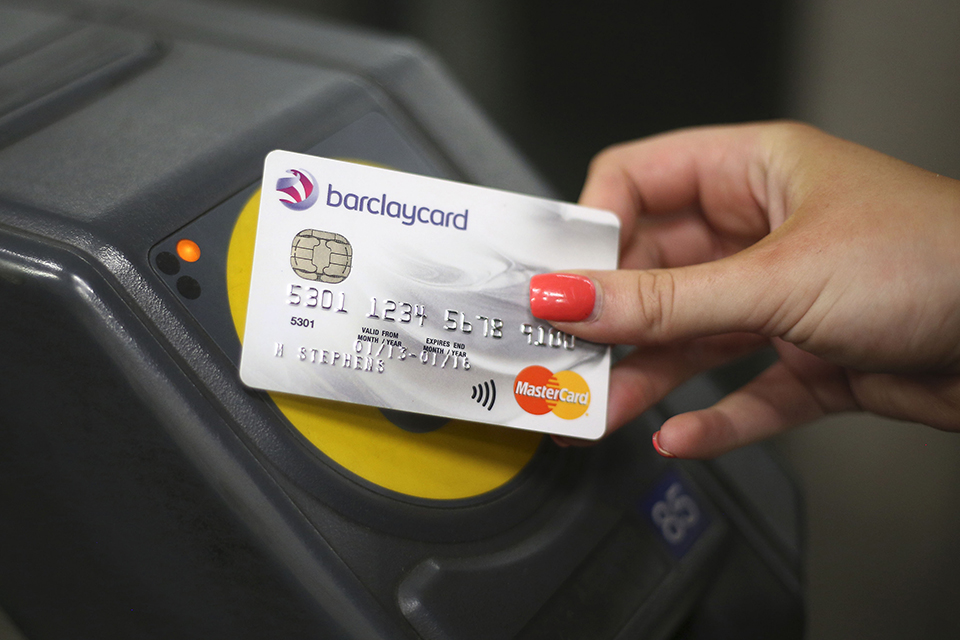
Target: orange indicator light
[188, 250]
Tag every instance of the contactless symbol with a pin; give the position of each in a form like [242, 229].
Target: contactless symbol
[299, 192]
[540, 391]
[321, 256]
[485, 394]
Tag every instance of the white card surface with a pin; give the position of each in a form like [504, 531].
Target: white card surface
[410, 293]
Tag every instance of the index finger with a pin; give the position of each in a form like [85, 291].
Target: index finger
[720, 172]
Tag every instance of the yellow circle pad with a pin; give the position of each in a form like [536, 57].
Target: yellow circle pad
[459, 460]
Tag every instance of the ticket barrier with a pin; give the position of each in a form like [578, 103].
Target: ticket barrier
[144, 492]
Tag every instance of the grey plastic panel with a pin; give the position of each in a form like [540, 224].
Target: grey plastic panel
[398, 66]
[160, 139]
[495, 595]
[22, 30]
[54, 65]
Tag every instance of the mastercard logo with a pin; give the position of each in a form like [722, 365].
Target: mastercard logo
[539, 391]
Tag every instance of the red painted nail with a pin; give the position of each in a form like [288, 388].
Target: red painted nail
[656, 445]
[562, 297]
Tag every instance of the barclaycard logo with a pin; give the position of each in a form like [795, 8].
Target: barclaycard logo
[299, 192]
[408, 213]
[539, 391]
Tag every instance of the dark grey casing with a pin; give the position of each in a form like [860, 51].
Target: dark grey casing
[144, 492]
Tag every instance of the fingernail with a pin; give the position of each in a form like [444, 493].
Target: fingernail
[656, 445]
[562, 297]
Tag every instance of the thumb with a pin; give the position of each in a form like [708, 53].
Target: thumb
[658, 305]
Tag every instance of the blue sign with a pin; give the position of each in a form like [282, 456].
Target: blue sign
[673, 510]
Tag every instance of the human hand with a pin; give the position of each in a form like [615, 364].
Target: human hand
[846, 260]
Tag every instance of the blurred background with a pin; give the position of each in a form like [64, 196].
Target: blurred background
[883, 498]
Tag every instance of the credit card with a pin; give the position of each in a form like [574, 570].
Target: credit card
[410, 293]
